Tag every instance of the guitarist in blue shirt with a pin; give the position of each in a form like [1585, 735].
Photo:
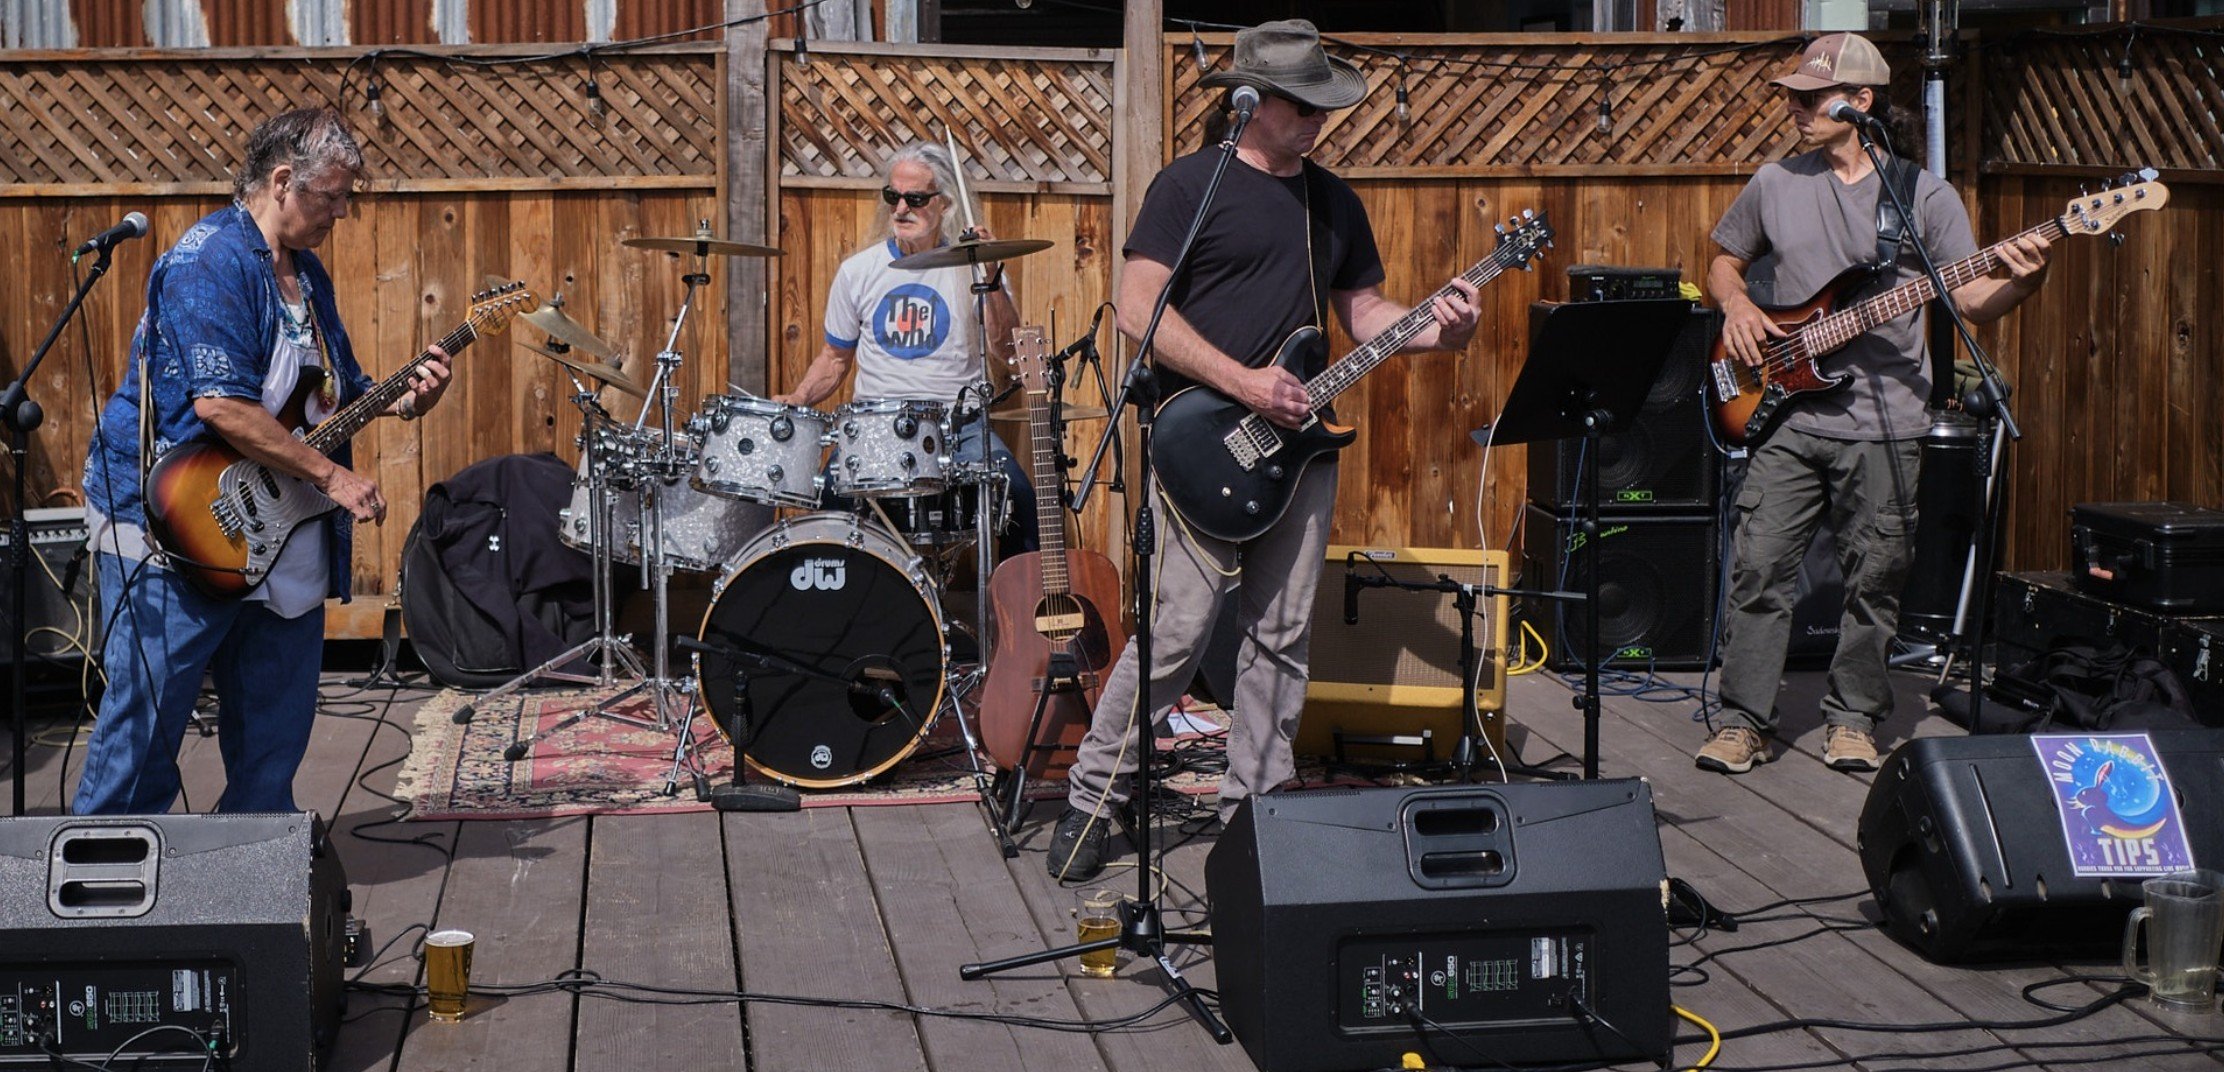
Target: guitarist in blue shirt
[1284, 242]
[240, 319]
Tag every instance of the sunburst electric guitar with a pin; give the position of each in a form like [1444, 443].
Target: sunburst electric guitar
[1057, 612]
[223, 519]
[1231, 472]
[1747, 398]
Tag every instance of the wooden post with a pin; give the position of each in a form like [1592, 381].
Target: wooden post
[749, 207]
[1139, 119]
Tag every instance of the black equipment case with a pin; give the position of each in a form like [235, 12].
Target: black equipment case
[2164, 556]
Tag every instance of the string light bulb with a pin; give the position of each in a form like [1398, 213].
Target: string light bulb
[2123, 63]
[1405, 111]
[1197, 52]
[593, 90]
[370, 96]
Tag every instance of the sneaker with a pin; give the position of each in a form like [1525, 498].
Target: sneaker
[1848, 749]
[1077, 847]
[1733, 750]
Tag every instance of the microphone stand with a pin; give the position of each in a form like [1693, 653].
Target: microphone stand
[1995, 398]
[1142, 929]
[24, 416]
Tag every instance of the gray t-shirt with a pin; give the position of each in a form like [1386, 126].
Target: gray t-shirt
[1796, 217]
[914, 331]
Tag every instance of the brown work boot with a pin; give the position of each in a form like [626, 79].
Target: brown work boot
[1733, 750]
[1848, 749]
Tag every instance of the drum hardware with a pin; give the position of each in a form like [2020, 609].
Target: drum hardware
[550, 320]
[703, 243]
[562, 353]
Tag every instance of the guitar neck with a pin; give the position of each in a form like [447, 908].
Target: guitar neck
[1339, 377]
[1843, 326]
[356, 415]
[1050, 514]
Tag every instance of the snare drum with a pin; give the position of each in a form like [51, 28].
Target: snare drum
[836, 596]
[889, 447]
[951, 517]
[761, 450]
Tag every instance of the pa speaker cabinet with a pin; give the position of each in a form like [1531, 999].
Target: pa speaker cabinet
[1347, 922]
[1663, 459]
[1377, 684]
[1963, 848]
[233, 926]
[1658, 579]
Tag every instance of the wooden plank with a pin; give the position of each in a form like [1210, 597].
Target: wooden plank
[750, 203]
[806, 924]
[517, 887]
[928, 866]
[656, 915]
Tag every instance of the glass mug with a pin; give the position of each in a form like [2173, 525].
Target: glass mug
[2184, 918]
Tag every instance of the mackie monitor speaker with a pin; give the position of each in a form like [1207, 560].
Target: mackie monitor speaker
[1352, 926]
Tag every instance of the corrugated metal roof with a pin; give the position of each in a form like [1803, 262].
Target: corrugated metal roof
[177, 24]
[364, 23]
[318, 23]
[36, 24]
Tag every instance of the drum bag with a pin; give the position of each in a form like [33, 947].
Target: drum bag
[488, 590]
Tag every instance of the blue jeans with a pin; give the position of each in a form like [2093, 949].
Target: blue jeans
[159, 646]
[1024, 533]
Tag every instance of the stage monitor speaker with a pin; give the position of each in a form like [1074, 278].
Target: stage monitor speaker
[1387, 687]
[230, 926]
[1658, 580]
[1966, 852]
[61, 607]
[1663, 460]
[1352, 926]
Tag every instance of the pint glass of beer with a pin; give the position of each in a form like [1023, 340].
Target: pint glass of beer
[1096, 917]
[447, 973]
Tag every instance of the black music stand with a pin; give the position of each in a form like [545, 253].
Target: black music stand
[1590, 368]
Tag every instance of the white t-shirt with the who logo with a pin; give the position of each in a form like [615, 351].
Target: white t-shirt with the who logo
[914, 332]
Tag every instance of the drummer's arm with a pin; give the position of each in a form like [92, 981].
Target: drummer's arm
[826, 373]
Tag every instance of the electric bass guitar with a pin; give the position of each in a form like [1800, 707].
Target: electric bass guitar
[1748, 398]
[222, 519]
[1057, 612]
[1231, 472]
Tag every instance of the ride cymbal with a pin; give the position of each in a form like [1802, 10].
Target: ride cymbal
[974, 251]
[551, 321]
[703, 244]
[593, 370]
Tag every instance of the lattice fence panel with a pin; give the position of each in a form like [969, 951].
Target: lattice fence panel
[1565, 104]
[1046, 120]
[94, 119]
[2107, 99]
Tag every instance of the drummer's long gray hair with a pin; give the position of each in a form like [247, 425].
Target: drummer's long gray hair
[936, 160]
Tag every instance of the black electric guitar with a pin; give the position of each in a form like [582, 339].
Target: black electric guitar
[223, 519]
[1747, 398]
[1231, 472]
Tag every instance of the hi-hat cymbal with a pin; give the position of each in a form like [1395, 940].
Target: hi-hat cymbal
[593, 370]
[552, 322]
[703, 244]
[971, 252]
[1072, 413]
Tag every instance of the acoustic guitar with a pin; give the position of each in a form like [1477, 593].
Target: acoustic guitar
[223, 519]
[1748, 398]
[1056, 611]
[1231, 473]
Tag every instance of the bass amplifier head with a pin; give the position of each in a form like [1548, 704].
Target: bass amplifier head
[1353, 926]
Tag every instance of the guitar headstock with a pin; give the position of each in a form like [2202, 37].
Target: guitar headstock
[2098, 213]
[491, 309]
[1031, 359]
[1523, 238]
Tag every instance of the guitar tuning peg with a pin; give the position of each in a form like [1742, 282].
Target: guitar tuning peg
[1498, 227]
[2116, 239]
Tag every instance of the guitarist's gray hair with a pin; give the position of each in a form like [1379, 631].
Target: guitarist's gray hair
[935, 159]
[311, 140]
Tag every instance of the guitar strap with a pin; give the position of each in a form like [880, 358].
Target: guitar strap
[1316, 240]
[1892, 233]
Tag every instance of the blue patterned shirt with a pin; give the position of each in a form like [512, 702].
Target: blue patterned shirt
[210, 327]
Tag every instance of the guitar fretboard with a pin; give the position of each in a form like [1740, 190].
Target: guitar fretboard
[1845, 325]
[352, 418]
[1340, 376]
[1050, 514]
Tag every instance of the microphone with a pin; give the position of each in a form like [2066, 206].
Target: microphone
[1087, 342]
[1844, 112]
[1351, 597]
[1244, 100]
[132, 227]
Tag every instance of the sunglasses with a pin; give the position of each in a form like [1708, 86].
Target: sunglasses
[1304, 110]
[916, 199]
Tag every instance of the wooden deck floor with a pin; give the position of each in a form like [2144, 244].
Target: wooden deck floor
[883, 904]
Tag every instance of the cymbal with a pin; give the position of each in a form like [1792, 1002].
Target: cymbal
[971, 252]
[703, 243]
[552, 322]
[593, 370]
[1072, 413]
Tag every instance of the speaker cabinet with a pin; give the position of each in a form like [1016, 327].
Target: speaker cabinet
[1964, 849]
[60, 595]
[1352, 926]
[232, 926]
[1663, 460]
[1658, 583]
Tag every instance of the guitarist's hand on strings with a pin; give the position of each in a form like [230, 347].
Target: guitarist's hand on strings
[1746, 329]
[1275, 393]
[356, 494]
[426, 385]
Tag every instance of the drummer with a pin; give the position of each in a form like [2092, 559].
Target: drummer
[911, 333]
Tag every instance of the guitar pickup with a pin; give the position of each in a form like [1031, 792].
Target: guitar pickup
[1051, 623]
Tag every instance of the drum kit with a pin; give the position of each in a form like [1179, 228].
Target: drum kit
[825, 653]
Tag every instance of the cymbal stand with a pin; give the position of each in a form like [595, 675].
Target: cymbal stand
[607, 650]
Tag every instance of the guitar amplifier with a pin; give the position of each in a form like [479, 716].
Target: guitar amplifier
[60, 605]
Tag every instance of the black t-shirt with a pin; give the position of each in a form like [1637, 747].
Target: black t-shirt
[1249, 280]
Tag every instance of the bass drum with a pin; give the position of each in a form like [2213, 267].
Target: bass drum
[827, 659]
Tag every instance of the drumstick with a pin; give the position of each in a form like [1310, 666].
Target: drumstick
[957, 166]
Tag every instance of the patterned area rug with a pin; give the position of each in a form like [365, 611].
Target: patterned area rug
[604, 766]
